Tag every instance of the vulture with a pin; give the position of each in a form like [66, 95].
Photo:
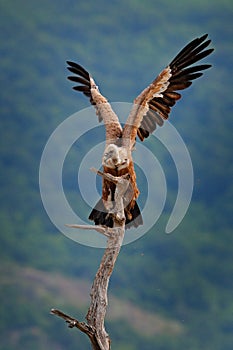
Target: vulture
[149, 110]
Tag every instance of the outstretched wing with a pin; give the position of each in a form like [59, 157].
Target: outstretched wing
[154, 104]
[87, 86]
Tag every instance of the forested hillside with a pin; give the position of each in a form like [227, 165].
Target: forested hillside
[178, 286]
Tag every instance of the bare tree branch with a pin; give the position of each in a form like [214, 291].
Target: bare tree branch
[101, 229]
[95, 328]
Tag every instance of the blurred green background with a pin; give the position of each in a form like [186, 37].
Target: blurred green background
[167, 292]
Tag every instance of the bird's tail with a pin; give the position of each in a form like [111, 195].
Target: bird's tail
[101, 217]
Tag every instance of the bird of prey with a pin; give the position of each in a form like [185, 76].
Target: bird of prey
[149, 110]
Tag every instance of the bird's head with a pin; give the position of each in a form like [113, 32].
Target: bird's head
[115, 157]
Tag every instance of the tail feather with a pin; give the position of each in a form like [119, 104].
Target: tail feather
[101, 217]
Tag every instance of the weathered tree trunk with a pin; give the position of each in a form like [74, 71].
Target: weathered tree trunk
[95, 328]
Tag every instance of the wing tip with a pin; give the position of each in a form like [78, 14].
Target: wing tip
[204, 36]
[77, 69]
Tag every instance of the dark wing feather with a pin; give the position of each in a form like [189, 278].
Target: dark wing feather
[77, 69]
[181, 76]
[81, 77]
[86, 85]
[159, 98]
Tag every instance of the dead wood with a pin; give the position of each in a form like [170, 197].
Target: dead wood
[94, 328]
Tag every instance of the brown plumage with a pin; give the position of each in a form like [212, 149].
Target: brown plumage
[149, 110]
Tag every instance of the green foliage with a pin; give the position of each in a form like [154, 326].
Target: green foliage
[186, 276]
